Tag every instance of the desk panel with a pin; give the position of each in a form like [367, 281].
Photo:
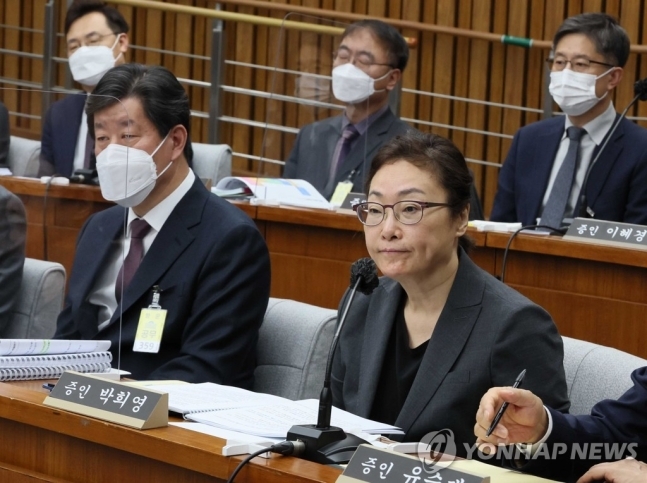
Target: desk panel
[45, 444]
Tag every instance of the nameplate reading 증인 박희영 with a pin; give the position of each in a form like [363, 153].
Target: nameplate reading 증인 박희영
[611, 233]
[373, 465]
[111, 401]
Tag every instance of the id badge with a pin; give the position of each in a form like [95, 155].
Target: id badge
[341, 191]
[151, 326]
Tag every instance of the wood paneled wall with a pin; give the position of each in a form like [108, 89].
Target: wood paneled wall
[443, 64]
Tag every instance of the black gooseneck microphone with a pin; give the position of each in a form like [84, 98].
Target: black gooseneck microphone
[640, 93]
[324, 443]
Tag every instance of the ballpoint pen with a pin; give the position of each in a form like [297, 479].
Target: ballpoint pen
[504, 406]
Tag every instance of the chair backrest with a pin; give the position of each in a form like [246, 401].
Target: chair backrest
[23, 156]
[596, 372]
[39, 302]
[293, 349]
[211, 161]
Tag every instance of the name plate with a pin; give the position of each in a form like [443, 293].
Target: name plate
[372, 465]
[608, 233]
[109, 400]
[351, 200]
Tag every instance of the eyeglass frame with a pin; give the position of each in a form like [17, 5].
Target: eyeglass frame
[96, 41]
[423, 205]
[551, 61]
[335, 54]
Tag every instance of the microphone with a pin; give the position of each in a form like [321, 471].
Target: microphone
[640, 93]
[85, 176]
[324, 443]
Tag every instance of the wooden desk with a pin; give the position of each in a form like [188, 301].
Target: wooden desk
[45, 444]
[595, 293]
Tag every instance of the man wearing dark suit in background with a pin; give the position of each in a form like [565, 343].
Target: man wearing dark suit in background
[203, 257]
[97, 40]
[4, 135]
[368, 64]
[538, 178]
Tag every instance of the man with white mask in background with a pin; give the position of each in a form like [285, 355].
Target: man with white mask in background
[96, 40]
[548, 175]
[170, 244]
[367, 65]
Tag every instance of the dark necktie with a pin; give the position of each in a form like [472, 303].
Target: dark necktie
[342, 148]
[138, 230]
[89, 152]
[553, 213]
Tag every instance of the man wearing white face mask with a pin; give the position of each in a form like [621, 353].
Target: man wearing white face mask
[368, 64]
[97, 40]
[202, 260]
[548, 175]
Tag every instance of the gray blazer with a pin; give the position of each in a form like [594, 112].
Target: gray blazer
[13, 228]
[313, 151]
[486, 334]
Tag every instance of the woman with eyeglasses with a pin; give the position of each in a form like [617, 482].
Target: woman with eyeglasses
[438, 332]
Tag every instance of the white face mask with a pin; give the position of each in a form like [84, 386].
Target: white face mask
[351, 84]
[127, 175]
[89, 63]
[574, 92]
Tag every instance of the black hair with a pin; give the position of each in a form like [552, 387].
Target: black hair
[610, 39]
[164, 100]
[80, 8]
[396, 47]
[440, 158]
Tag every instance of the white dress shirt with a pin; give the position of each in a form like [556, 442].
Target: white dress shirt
[79, 150]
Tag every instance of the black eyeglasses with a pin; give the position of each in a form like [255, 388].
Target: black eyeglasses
[406, 212]
[581, 64]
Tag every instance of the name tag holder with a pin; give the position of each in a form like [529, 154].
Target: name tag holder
[372, 465]
[111, 401]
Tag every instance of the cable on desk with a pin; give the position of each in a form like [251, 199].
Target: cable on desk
[286, 448]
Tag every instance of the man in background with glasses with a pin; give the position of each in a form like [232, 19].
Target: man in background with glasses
[553, 172]
[367, 65]
[96, 40]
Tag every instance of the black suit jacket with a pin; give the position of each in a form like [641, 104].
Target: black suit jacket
[622, 421]
[13, 228]
[616, 189]
[486, 334]
[313, 151]
[213, 269]
[4, 135]
[60, 134]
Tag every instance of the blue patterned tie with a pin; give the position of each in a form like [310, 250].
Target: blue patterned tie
[553, 213]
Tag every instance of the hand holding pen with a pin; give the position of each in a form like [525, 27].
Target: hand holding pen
[501, 411]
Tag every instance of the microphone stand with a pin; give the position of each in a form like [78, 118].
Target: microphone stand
[324, 443]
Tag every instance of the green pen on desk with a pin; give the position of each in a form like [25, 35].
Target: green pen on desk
[504, 406]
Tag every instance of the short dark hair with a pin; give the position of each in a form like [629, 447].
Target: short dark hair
[164, 100]
[390, 39]
[80, 8]
[437, 156]
[610, 39]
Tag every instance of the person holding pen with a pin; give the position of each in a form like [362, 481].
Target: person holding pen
[438, 331]
[581, 446]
